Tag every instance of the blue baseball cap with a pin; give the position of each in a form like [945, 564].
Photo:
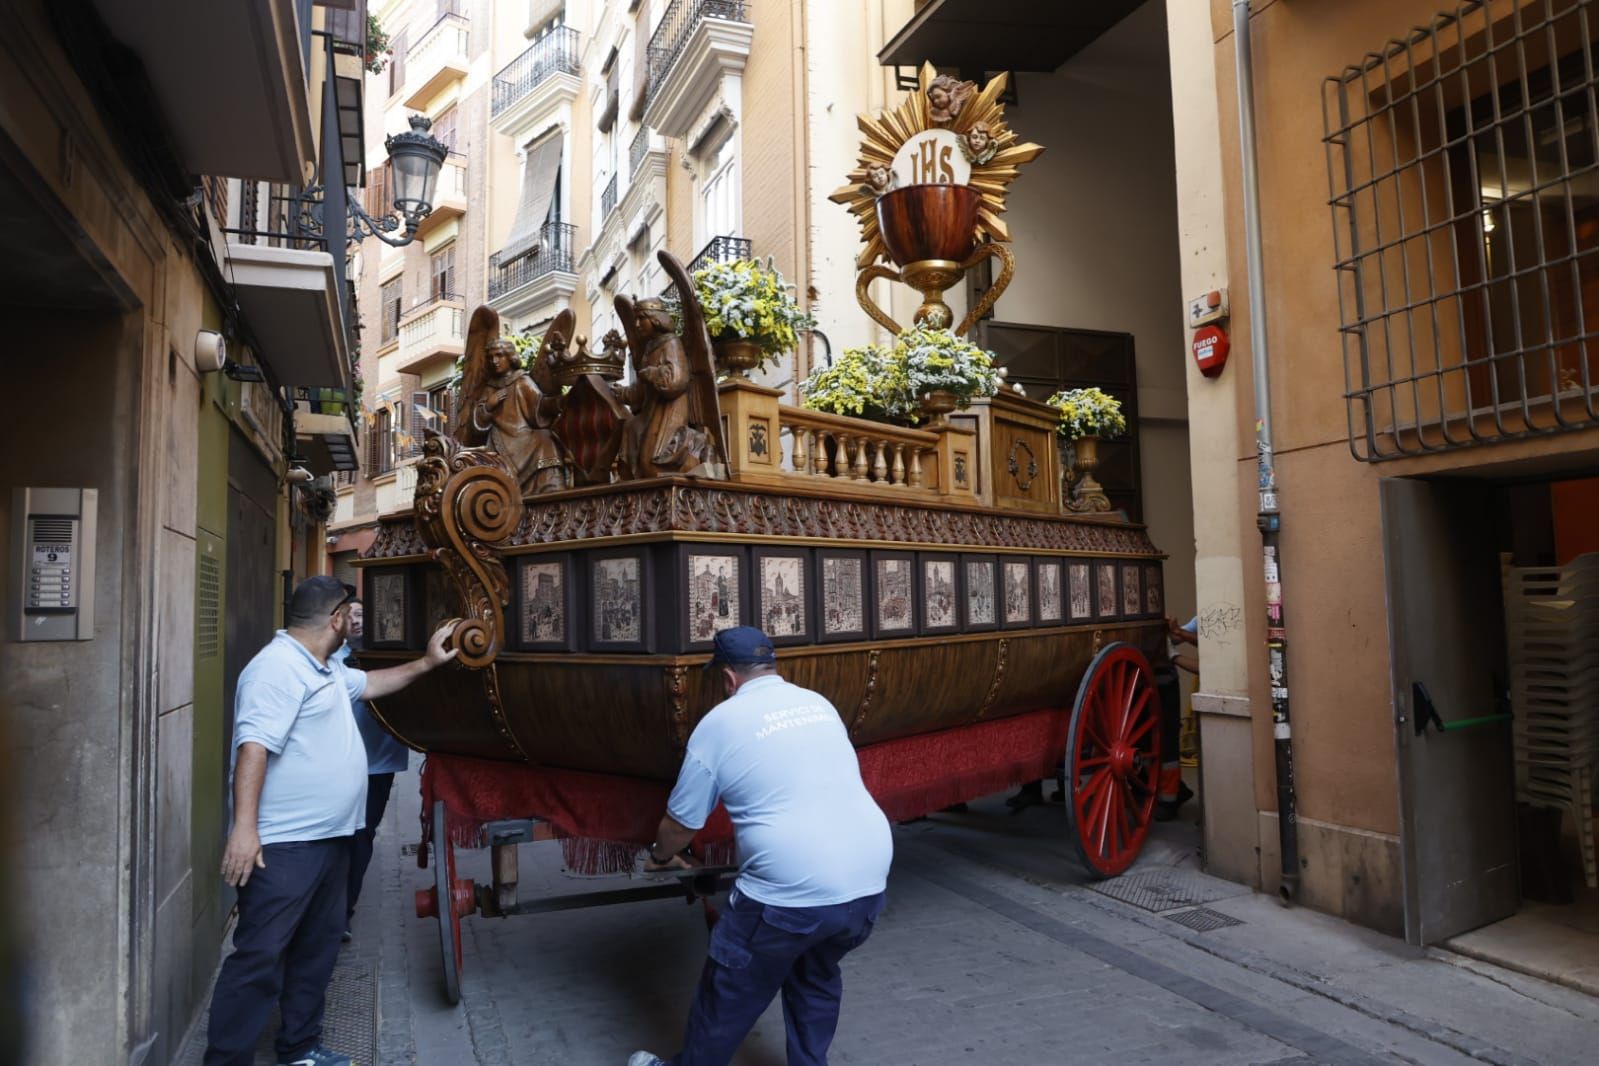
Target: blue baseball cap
[742, 646]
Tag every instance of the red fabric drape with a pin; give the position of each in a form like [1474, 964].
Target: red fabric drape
[603, 819]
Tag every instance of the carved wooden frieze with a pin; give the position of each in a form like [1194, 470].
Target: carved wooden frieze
[626, 510]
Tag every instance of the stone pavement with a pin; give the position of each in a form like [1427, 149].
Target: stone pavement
[993, 950]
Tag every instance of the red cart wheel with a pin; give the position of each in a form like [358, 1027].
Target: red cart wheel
[461, 897]
[1113, 759]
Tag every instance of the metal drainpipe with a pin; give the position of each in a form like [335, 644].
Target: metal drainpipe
[1269, 518]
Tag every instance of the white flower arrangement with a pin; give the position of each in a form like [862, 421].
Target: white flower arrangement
[1088, 413]
[937, 360]
[746, 300]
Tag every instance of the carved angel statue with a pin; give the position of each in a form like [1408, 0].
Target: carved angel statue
[979, 146]
[676, 426]
[502, 409]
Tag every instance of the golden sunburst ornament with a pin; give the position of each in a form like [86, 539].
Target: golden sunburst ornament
[956, 134]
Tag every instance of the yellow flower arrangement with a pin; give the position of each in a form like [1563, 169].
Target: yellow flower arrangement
[1088, 413]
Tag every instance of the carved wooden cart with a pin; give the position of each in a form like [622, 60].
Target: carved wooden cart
[930, 582]
[924, 580]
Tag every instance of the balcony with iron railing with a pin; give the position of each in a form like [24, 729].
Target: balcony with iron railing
[283, 218]
[608, 199]
[695, 43]
[553, 255]
[439, 57]
[636, 153]
[430, 332]
[721, 250]
[541, 65]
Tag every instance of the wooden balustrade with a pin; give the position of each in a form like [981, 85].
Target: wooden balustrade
[773, 443]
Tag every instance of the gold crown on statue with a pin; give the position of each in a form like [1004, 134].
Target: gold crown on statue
[571, 362]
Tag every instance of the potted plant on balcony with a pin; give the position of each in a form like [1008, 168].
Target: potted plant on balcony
[944, 371]
[1086, 417]
[865, 382]
[750, 313]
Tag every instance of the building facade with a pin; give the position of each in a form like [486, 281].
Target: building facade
[161, 201]
[1430, 389]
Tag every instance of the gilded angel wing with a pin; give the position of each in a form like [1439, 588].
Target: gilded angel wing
[697, 346]
[483, 328]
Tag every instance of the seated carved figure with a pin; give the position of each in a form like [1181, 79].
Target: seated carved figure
[676, 423]
[501, 408]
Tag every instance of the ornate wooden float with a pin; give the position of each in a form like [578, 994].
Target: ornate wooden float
[933, 583]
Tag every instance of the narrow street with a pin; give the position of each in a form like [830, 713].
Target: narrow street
[992, 951]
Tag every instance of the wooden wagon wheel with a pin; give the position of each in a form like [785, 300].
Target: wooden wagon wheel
[1113, 759]
[460, 897]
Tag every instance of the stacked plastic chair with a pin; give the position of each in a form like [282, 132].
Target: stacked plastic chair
[1552, 625]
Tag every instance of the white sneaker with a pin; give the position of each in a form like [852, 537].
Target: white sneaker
[644, 1058]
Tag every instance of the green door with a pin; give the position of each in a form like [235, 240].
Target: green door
[209, 797]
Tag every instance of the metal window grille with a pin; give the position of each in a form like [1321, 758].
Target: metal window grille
[721, 250]
[1463, 164]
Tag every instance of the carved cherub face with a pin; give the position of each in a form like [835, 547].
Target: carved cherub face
[938, 96]
[978, 138]
[945, 96]
[878, 176]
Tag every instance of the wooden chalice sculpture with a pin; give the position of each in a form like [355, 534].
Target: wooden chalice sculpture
[930, 232]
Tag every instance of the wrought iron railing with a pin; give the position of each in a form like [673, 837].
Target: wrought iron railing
[636, 153]
[284, 219]
[552, 253]
[677, 26]
[608, 198]
[554, 53]
[721, 250]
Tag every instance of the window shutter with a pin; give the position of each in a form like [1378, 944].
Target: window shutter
[370, 430]
[419, 421]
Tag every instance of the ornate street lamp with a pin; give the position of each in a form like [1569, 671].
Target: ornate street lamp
[415, 157]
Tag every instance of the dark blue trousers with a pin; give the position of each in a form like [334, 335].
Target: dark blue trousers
[284, 946]
[757, 951]
[378, 787]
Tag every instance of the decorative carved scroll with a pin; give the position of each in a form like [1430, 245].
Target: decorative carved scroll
[866, 699]
[999, 675]
[467, 502]
[677, 690]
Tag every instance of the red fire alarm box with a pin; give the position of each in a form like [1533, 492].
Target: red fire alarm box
[1210, 350]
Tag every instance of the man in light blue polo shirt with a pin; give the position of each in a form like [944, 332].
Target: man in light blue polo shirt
[385, 757]
[299, 793]
[814, 850]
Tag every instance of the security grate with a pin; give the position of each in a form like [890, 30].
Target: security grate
[349, 1024]
[1463, 164]
[1203, 919]
[1162, 890]
[208, 608]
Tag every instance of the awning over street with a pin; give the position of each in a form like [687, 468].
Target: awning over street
[993, 35]
[538, 189]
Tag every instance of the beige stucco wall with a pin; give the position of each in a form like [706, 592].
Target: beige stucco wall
[1332, 576]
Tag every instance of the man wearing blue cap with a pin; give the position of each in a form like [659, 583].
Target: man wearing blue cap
[814, 850]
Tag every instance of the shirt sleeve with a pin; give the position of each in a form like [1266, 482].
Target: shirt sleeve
[354, 683]
[694, 796]
[264, 714]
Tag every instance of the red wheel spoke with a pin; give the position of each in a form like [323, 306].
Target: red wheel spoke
[1138, 733]
[1097, 760]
